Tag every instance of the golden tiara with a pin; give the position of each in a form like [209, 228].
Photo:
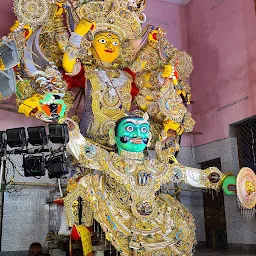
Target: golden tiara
[124, 18]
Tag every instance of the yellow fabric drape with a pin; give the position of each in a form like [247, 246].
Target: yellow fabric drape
[85, 235]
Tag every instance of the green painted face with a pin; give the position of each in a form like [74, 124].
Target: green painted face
[132, 134]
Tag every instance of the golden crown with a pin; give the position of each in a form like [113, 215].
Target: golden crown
[124, 18]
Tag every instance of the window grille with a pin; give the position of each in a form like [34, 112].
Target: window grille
[246, 139]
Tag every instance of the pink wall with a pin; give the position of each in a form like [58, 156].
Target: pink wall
[6, 16]
[160, 13]
[222, 42]
[172, 18]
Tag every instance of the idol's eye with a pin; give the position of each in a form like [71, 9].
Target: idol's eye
[144, 129]
[115, 43]
[102, 41]
[129, 128]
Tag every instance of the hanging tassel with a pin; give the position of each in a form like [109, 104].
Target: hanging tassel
[248, 213]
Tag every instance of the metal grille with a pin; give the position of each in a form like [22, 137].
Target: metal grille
[246, 138]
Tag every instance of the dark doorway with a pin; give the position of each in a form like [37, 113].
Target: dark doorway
[214, 213]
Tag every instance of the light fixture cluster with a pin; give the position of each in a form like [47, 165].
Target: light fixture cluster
[33, 145]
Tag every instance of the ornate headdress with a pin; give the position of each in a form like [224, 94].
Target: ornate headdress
[122, 17]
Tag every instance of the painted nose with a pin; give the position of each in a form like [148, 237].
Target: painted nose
[109, 45]
[137, 132]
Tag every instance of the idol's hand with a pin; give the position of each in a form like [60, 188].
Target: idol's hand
[155, 34]
[174, 126]
[170, 72]
[15, 26]
[182, 92]
[60, 8]
[30, 106]
[83, 27]
[168, 69]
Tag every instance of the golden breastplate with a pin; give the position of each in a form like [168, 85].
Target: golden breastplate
[111, 98]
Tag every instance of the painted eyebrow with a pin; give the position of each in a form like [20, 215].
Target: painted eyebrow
[106, 37]
[130, 122]
[101, 36]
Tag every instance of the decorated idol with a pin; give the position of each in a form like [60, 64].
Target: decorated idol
[120, 67]
[120, 192]
[58, 50]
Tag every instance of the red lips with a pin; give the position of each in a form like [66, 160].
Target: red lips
[110, 51]
[136, 141]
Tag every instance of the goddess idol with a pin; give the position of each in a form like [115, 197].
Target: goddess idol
[100, 46]
[87, 44]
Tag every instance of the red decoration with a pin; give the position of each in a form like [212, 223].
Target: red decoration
[78, 178]
[176, 74]
[77, 81]
[154, 36]
[59, 201]
[74, 234]
[26, 33]
[135, 90]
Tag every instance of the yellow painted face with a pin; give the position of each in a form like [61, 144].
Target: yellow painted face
[106, 47]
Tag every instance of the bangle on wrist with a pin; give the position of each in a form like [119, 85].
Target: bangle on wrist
[75, 39]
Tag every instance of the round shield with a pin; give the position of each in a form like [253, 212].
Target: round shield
[32, 12]
[246, 187]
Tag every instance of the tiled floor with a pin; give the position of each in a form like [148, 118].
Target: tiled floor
[208, 252]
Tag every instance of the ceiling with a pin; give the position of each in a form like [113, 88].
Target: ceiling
[181, 2]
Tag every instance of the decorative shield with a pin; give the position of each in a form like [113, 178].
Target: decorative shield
[246, 188]
[32, 12]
